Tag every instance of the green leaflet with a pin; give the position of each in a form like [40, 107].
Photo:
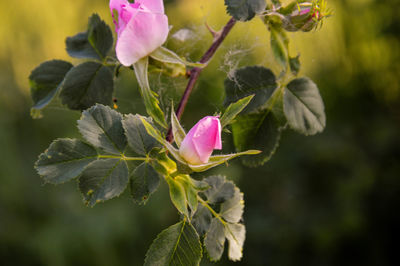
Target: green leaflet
[103, 179]
[179, 244]
[45, 81]
[102, 127]
[165, 55]
[261, 130]
[95, 43]
[224, 196]
[64, 160]
[245, 9]
[144, 180]
[303, 107]
[138, 138]
[87, 84]
[252, 80]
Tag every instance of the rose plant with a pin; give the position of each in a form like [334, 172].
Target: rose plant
[138, 151]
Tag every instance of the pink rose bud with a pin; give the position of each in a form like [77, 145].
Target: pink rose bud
[141, 27]
[201, 140]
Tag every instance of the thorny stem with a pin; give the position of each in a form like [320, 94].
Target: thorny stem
[195, 72]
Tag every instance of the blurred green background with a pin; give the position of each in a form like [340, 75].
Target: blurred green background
[330, 199]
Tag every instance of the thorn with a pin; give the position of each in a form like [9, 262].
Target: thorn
[214, 33]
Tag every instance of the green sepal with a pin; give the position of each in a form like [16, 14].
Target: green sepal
[224, 201]
[177, 130]
[179, 244]
[233, 110]
[165, 55]
[103, 180]
[149, 97]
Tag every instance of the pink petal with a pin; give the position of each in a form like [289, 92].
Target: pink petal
[155, 6]
[118, 5]
[142, 35]
[206, 132]
[218, 141]
[188, 151]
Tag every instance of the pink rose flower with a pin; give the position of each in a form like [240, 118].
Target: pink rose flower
[141, 27]
[202, 139]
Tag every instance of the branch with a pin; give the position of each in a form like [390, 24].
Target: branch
[195, 72]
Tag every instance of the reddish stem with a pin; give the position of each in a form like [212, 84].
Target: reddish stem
[195, 72]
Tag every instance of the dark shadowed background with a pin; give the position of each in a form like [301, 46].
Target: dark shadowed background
[331, 199]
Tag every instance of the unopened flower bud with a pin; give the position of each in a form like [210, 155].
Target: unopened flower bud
[198, 145]
[304, 16]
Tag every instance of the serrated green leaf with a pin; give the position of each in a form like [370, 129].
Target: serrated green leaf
[102, 127]
[144, 181]
[202, 220]
[235, 233]
[234, 109]
[245, 9]
[178, 195]
[179, 244]
[45, 81]
[87, 84]
[64, 160]
[220, 189]
[177, 130]
[103, 180]
[232, 208]
[95, 43]
[227, 208]
[257, 130]
[253, 80]
[215, 240]
[150, 100]
[304, 107]
[138, 138]
[165, 55]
